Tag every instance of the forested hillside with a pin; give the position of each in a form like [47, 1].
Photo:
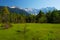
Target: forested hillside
[20, 16]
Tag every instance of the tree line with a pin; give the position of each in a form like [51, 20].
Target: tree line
[49, 17]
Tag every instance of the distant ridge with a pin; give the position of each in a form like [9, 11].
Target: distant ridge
[14, 10]
[47, 9]
[27, 11]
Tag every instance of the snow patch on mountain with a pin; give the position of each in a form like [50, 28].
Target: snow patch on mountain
[13, 7]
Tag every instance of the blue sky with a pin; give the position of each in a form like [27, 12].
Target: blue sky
[31, 3]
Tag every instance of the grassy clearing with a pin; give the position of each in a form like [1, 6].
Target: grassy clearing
[31, 32]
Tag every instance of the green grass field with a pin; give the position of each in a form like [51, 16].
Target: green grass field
[31, 31]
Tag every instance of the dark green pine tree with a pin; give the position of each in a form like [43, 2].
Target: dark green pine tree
[41, 17]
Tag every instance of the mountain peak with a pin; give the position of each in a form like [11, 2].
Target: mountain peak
[47, 9]
[13, 7]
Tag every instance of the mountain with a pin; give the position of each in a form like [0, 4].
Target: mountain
[32, 11]
[14, 10]
[36, 11]
[18, 10]
[27, 11]
[47, 9]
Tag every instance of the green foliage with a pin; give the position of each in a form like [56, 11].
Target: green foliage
[31, 19]
[53, 17]
[49, 17]
[41, 17]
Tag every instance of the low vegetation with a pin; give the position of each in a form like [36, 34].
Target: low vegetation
[5, 26]
[31, 31]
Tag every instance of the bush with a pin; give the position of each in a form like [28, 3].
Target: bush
[6, 26]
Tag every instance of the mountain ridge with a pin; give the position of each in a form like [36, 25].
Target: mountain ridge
[27, 11]
[36, 11]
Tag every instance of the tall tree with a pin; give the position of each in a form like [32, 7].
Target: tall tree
[41, 17]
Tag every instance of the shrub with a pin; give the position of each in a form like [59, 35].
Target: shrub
[6, 26]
